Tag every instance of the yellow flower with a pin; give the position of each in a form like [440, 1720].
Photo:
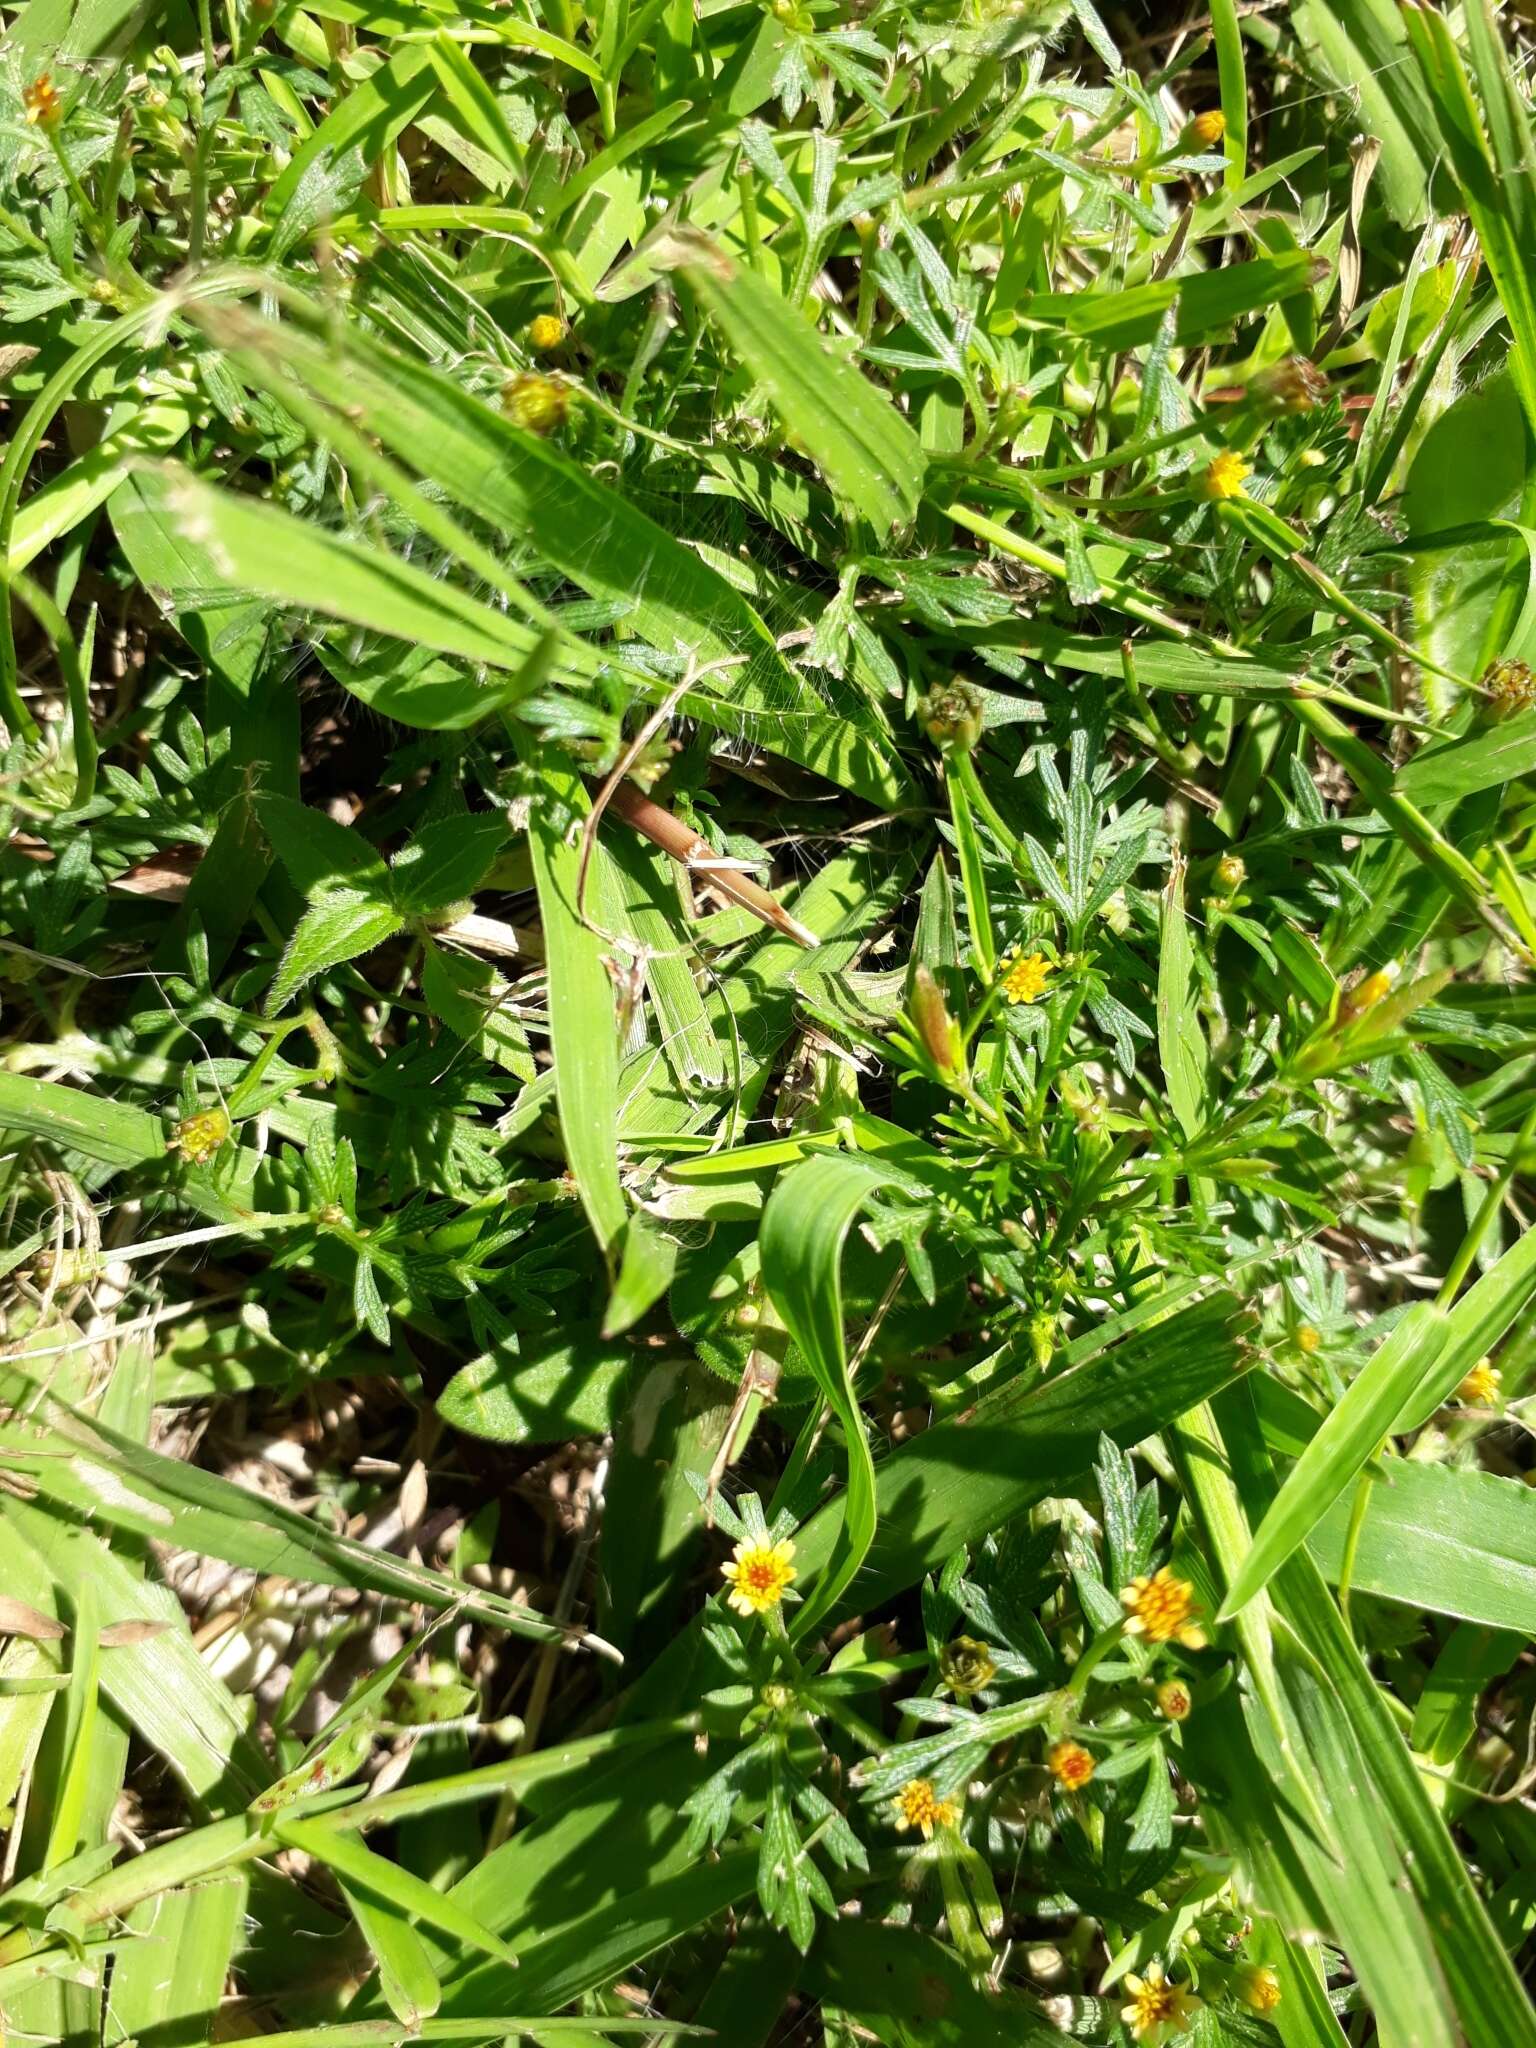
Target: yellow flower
[917, 1806]
[1071, 1765]
[44, 108]
[1157, 2008]
[1224, 476]
[545, 332]
[1209, 127]
[1309, 1339]
[1480, 1388]
[536, 403]
[1162, 1609]
[1256, 1986]
[1025, 977]
[1173, 1700]
[758, 1574]
[198, 1137]
[1365, 995]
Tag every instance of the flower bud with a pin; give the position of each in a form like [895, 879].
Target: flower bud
[1294, 384]
[1365, 995]
[1256, 1986]
[1230, 874]
[966, 1666]
[1209, 128]
[936, 1029]
[1511, 689]
[1173, 1700]
[536, 403]
[952, 715]
[545, 332]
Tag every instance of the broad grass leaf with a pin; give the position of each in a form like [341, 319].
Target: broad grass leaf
[1454, 1540]
[611, 548]
[805, 1225]
[294, 562]
[1349, 1438]
[411, 1896]
[582, 1021]
[850, 429]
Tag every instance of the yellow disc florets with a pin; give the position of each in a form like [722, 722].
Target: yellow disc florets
[1224, 476]
[536, 403]
[198, 1137]
[1162, 1608]
[919, 1806]
[1156, 2007]
[545, 331]
[1025, 976]
[758, 1575]
[41, 103]
[1256, 1986]
[1480, 1388]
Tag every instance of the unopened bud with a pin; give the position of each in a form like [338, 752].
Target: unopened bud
[966, 1666]
[1511, 689]
[1230, 874]
[1294, 384]
[952, 715]
[1173, 1700]
[536, 403]
[937, 1030]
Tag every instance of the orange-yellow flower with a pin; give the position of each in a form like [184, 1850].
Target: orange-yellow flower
[1480, 1388]
[41, 103]
[1025, 977]
[758, 1574]
[545, 331]
[919, 1806]
[1162, 1608]
[1209, 127]
[1071, 1765]
[1157, 2008]
[1224, 475]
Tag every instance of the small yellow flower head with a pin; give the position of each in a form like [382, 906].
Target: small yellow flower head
[1365, 995]
[535, 402]
[1173, 1700]
[1511, 688]
[1157, 2008]
[1025, 976]
[758, 1575]
[1071, 1765]
[198, 1137]
[1224, 476]
[966, 1666]
[44, 108]
[545, 332]
[918, 1806]
[1256, 1986]
[1208, 128]
[1163, 1610]
[1309, 1339]
[1480, 1388]
[1230, 874]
